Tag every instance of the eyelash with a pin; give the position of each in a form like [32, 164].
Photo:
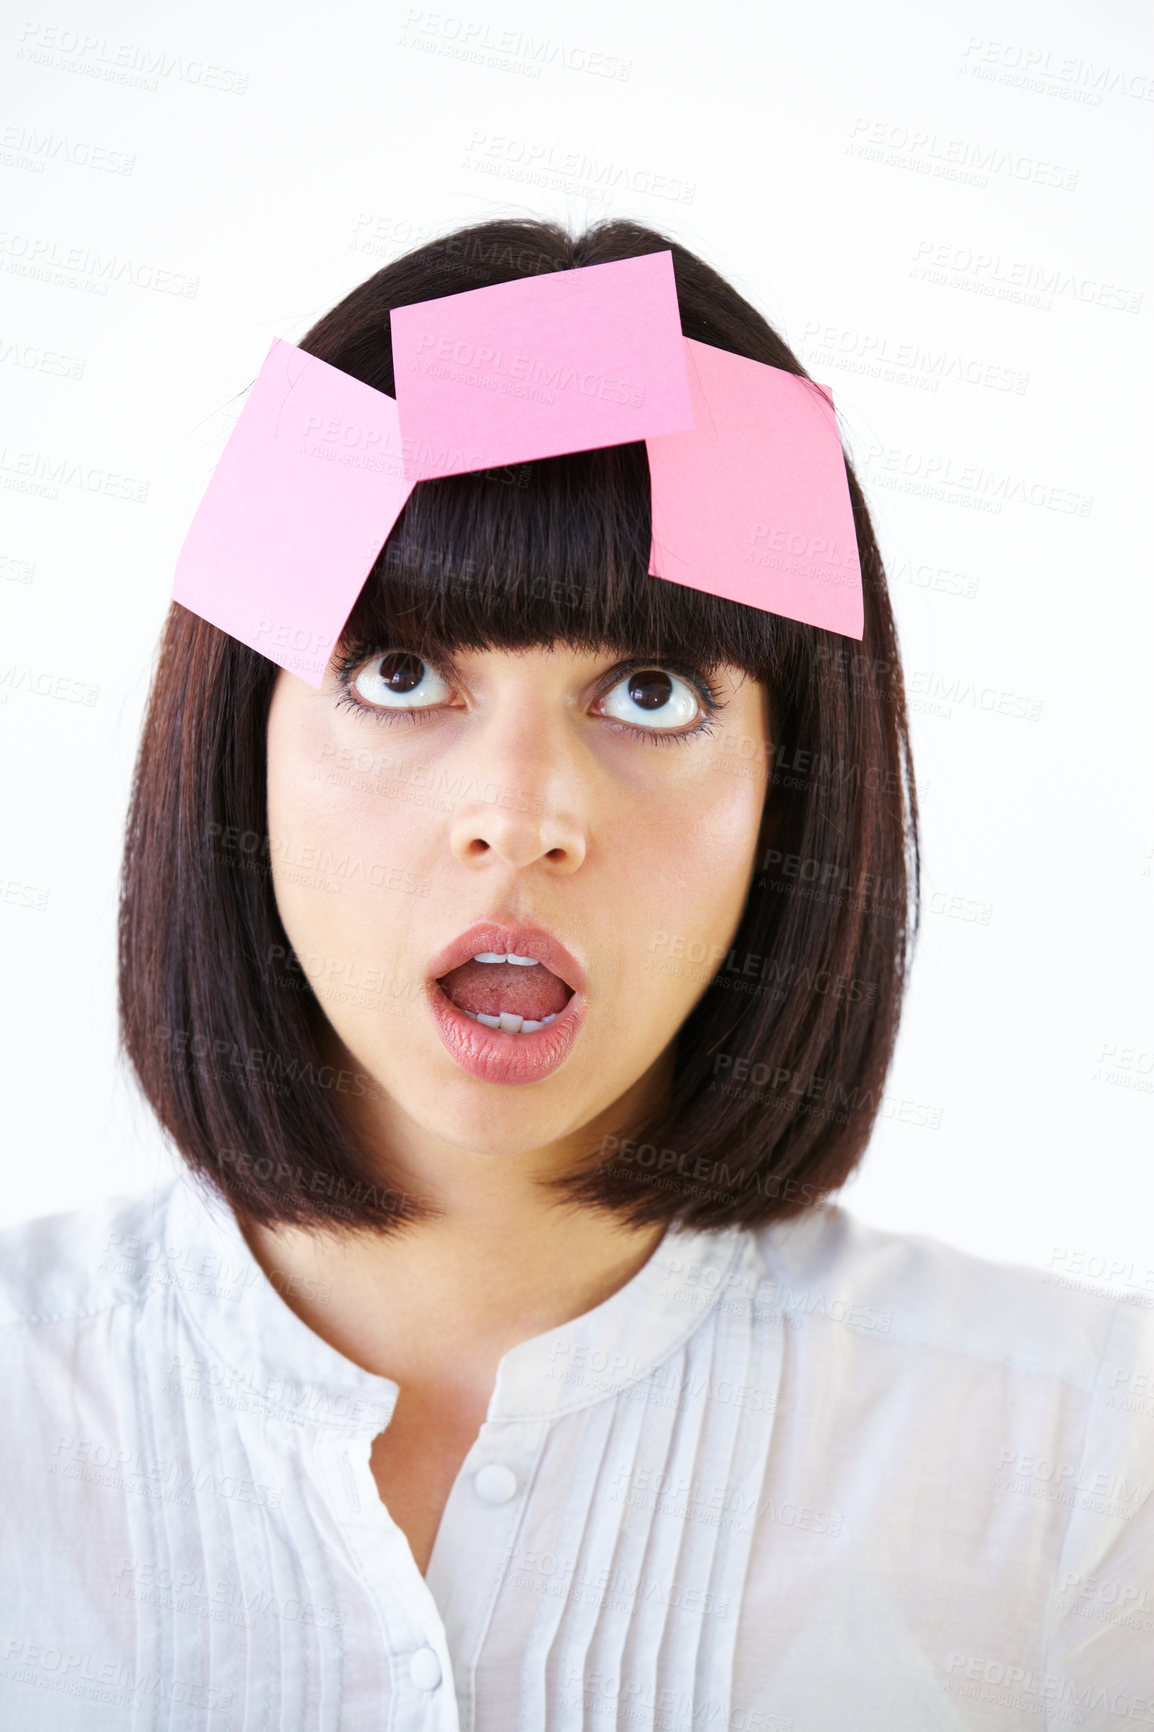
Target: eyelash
[711, 698]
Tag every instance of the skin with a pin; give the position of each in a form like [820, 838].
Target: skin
[523, 796]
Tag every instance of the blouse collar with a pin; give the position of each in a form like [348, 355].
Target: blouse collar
[272, 1361]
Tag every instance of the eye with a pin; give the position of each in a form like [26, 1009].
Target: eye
[653, 698]
[400, 680]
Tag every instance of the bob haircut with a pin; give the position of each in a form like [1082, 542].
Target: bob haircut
[780, 1065]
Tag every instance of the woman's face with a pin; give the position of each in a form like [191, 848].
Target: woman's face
[585, 815]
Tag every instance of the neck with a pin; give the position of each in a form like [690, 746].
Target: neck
[441, 1302]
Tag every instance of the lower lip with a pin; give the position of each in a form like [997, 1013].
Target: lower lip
[498, 1057]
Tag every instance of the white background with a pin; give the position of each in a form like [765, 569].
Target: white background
[942, 212]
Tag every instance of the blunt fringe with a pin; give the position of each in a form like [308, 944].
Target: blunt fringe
[780, 1066]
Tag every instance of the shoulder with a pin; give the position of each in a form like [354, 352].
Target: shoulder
[912, 1290]
[77, 1264]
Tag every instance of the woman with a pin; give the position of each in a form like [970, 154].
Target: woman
[517, 1000]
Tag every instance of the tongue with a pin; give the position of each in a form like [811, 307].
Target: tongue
[491, 987]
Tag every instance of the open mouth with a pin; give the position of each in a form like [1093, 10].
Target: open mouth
[516, 994]
[508, 1002]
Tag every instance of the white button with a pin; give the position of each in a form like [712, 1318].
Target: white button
[496, 1484]
[425, 1669]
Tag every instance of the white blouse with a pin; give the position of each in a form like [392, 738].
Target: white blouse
[811, 1478]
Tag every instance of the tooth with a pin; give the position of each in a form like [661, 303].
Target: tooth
[510, 1023]
[531, 1027]
[496, 956]
[546, 1019]
[489, 1021]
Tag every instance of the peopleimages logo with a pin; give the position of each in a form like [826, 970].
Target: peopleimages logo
[953, 158]
[486, 363]
[476, 40]
[1011, 1684]
[138, 64]
[539, 162]
[1018, 280]
[1029, 67]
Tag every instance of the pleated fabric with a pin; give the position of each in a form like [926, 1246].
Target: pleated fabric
[790, 1480]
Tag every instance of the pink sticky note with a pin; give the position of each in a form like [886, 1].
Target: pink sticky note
[754, 504]
[307, 489]
[540, 366]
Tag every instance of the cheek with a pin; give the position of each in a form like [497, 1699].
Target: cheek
[348, 845]
[688, 876]
[712, 857]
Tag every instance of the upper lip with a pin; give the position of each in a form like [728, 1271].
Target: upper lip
[491, 935]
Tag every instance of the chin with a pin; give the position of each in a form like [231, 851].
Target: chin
[497, 1134]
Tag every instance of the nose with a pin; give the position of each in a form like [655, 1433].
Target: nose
[525, 801]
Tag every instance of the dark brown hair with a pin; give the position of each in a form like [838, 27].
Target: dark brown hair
[781, 1063]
